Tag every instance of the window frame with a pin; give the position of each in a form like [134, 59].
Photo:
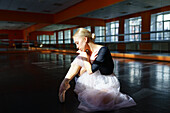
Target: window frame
[156, 32]
[130, 33]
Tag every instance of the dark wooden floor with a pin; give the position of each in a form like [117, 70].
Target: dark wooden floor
[29, 83]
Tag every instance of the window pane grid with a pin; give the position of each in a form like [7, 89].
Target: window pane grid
[160, 25]
[46, 39]
[133, 29]
[53, 39]
[88, 28]
[74, 31]
[67, 36]
[100, 33]
[112, 31]
[60, 37]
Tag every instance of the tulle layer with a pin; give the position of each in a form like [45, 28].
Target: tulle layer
[97, 92]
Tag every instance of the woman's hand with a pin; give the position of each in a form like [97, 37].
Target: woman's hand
[94, 55]
[86, 58]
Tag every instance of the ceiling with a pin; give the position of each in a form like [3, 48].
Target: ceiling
[55, 27]
[37, 6]
[6, 25]
[125, 7]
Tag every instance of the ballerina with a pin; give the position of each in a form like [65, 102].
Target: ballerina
[97, 87]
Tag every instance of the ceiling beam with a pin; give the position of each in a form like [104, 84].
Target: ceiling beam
[82, 8]
[6, 15]
[43, 20]
[83, 21]
[76, 10]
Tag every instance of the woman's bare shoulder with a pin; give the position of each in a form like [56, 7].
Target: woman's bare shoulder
[100, 46]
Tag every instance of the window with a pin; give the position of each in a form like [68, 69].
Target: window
[88, 28]
[160, 26]
[53, 38]
[74, 31]
[46, 39]
[43, 39]
[100, 33]
[38, 39]
[133, 29]
[112, 31]
[67, 36]
[60, 37]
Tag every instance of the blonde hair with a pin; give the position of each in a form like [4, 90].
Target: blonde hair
[82, 32]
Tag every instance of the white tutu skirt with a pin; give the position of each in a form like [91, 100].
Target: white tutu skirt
[97, 92]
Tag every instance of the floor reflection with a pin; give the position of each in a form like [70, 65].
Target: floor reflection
[29, 83]
[53, 61]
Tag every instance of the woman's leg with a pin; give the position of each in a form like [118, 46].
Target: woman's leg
[74, 69]
[82, 70]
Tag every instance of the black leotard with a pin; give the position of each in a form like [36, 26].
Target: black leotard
[103, 62]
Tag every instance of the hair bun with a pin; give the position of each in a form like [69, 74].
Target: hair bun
[93, 36]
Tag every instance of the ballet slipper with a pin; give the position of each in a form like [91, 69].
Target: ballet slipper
[62, 97]
[63, 88]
